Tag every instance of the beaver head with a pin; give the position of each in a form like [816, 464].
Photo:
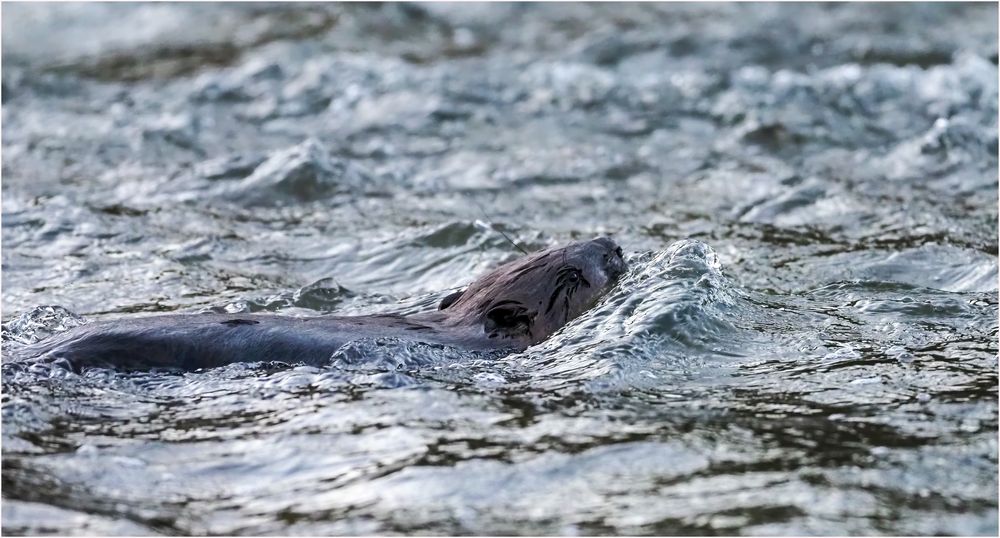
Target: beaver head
[523, 302]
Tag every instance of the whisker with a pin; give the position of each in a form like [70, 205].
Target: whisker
[489, 221]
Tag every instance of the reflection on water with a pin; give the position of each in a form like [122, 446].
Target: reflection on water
[805, 343]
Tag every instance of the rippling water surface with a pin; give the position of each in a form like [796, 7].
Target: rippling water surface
[805, 343]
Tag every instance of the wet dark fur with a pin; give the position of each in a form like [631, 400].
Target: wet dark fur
[516, 305]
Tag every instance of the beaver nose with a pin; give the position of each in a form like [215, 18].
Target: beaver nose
[615, 264]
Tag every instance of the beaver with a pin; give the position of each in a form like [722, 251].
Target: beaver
[514, 306]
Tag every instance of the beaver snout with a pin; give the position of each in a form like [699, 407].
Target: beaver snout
[614, 262]
[616, 266]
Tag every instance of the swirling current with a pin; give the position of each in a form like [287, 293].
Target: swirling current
[805, 341]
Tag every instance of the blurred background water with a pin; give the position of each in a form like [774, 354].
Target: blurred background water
[806, 342]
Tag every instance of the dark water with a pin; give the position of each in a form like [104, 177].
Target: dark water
[806, 342]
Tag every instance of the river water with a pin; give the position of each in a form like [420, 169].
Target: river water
[805, 343]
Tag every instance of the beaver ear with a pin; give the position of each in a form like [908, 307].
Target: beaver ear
[508, 321]
[450, 299]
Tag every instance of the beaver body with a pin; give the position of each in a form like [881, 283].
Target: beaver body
[512, 307]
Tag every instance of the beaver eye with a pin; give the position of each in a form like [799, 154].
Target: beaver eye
[574, 276]
[618, 251]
